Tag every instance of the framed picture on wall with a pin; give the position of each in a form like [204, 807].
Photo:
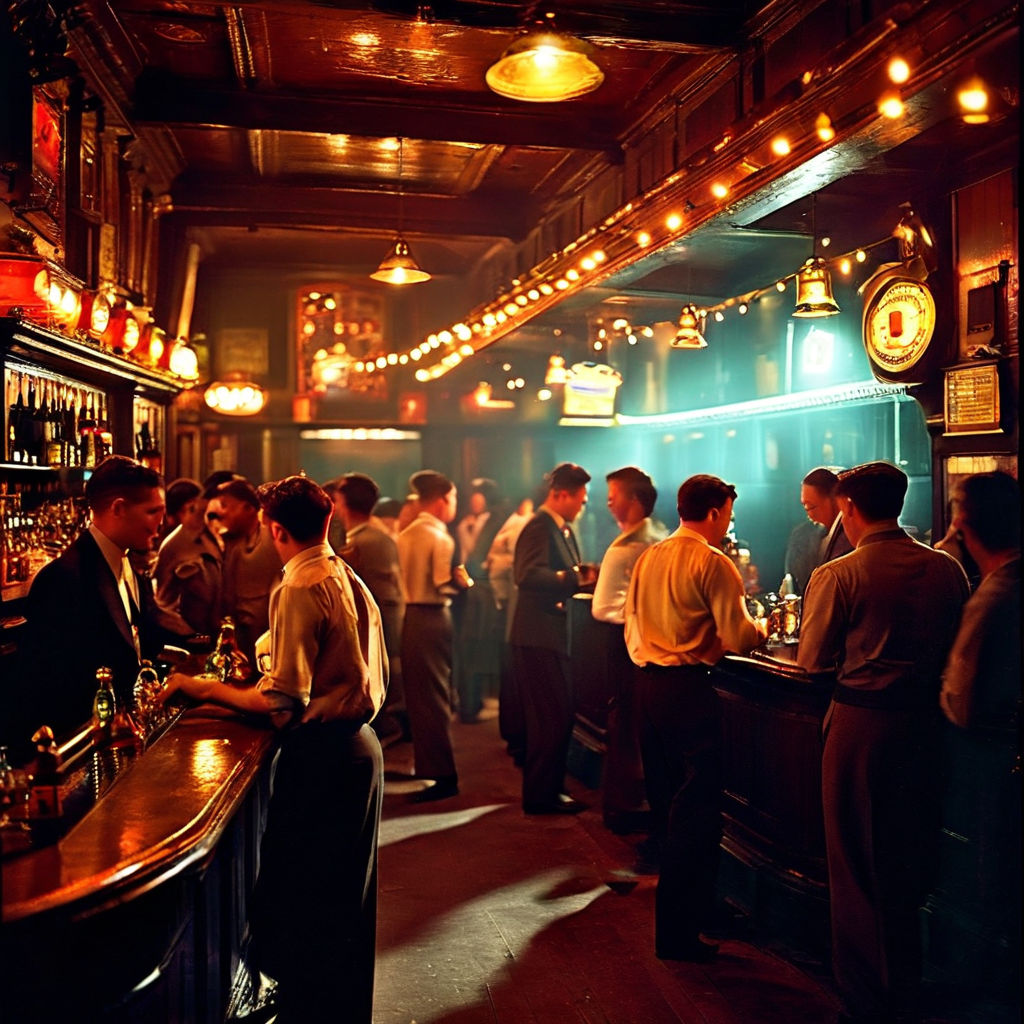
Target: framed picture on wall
[243, 350]
[45, 203]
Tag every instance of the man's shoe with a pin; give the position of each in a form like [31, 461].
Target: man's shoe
[563, 804]
[700, 951]
[442, 789]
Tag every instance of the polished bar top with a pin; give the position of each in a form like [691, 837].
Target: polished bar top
[165, 813]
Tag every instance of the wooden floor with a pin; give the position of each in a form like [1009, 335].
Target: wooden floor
[487, 915]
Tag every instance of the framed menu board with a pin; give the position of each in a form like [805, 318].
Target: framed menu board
[972, 399]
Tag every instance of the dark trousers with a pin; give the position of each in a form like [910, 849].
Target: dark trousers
[313, 918]
[623, 766]
[681, 743]
[427, 674]
[879, 776]
[511, 723]
[546, 691]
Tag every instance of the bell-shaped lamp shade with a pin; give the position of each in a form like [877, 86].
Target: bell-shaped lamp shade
[545, 67]
[399, 267]
[814, 290]
[688, 334]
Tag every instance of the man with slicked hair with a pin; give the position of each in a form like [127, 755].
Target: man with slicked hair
[323, 673]
[880, 621]
[425, 550]
[548, 570]
[818, 498]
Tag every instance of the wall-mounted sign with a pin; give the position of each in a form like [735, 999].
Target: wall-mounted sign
[590, 390]
[972, 399]
[899, 321]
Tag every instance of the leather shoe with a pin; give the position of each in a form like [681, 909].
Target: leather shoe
[440, 790]
[564, 804]
[699, 951]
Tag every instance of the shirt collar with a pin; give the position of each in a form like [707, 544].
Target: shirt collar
[296, 562]
[685, 531]
[113, 554]
[559, 521]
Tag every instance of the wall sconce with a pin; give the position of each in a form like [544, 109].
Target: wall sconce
[24, 287]
[814, 290]
[95, 315]
[152, 346]
[184, 361]
[123, 332]
[545, 66]
[235, 396]
[688, 334]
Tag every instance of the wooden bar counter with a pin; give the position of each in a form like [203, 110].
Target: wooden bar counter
[140, 907]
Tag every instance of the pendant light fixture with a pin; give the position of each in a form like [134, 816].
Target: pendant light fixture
[813, 282]
[545, 66]
[689, 335]
[399, 266]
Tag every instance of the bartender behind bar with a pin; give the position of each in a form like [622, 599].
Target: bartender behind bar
[89, 608]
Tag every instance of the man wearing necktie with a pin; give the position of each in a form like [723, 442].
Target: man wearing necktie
[89, 608]
[548, 571]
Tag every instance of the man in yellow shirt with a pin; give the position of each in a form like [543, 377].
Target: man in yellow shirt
[685, 608]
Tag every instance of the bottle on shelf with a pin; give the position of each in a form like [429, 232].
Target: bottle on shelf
[87, 434]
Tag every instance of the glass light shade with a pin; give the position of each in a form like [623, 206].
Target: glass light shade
[95, 315]
[399, 267]
[152, 345]
[814, 290]
[545, 67]
[184, 362]
[235, 397]
[24, 287]
[688, 335]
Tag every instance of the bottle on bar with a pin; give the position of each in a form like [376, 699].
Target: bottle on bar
[221, 661]
[104, 704]
[144, 697]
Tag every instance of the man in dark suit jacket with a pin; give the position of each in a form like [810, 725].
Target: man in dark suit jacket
[89, 608]
[548, 570]
[818, 497]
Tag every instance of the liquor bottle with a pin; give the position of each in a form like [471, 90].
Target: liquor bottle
[87, 434]
[104, 704]
[33, 426]
[221, 661]
[52, 422]
[45, 798]
[104, 440]
[16, 416]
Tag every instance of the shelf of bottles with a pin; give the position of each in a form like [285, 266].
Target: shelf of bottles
[52, 421]
[148, 431]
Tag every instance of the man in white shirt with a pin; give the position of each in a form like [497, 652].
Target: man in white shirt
[324, 673]
[631, 498]
[685, 609]
[425, 550]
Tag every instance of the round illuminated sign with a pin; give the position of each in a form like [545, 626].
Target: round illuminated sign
[899, 321]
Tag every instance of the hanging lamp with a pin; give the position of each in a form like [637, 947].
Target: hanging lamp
[399, 266]
[545, 66]
[813, 282]
[689, 335]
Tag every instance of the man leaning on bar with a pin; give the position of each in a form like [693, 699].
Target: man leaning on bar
[881, 619]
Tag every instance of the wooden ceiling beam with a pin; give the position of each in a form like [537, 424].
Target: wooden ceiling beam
[169, 100]
[235, 204]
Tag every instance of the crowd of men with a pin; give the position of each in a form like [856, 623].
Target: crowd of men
[343, 607]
